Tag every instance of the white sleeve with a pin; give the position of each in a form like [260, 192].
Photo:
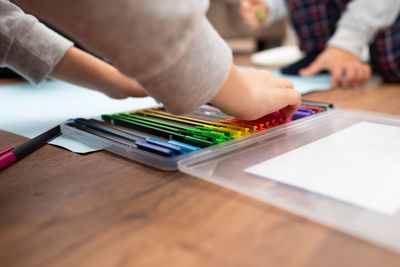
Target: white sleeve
[361, 21]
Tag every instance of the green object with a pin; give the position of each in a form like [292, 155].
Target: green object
[205, 135]
[261, 15]
[154, 130]
[171, 128]
[228, 135]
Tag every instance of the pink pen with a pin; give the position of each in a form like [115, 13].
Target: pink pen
[7, 158]
[11, 155]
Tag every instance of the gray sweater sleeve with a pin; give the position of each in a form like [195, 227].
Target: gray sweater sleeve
[169, 45]
[26, 45]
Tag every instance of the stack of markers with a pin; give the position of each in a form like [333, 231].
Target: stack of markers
[159, 132]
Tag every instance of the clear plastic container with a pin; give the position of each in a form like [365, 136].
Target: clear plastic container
[226, 168]
[224, 164]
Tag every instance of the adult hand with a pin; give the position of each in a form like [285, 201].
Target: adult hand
[339, 63]
[253, 12]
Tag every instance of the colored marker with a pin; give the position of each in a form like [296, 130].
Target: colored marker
[185, 147]
[317, 104]
[261, 15]
[156, 131]
[260, 126]
[316, 109]
[171, 127]
[217, 137]
[10, 155]
[301, 114]
[308, 110]
[102, 126]
[122, 140]
[252, 128]
[196, 122]
[228, 135]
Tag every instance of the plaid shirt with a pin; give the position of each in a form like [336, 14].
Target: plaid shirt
[315, 22]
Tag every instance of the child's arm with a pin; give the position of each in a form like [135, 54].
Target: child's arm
[35, 51]
[83, 69]
[172, 50]
[248, 94]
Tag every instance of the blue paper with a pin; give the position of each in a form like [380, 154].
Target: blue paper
[29, 110]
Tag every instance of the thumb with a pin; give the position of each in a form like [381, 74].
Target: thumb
[312, 69]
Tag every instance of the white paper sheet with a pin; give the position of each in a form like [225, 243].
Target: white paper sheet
[29, 110]
[359, 165]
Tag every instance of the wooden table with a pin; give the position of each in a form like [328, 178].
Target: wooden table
[58, 208]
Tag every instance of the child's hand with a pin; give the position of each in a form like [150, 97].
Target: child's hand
[253, 12]
[251, 94]
[83, 69]
[339, 63]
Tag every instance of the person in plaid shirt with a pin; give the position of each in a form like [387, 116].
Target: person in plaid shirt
[333, 34]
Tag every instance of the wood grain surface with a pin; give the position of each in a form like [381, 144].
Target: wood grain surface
[58, 208]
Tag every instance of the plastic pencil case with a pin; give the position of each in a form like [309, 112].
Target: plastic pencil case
[171, 163]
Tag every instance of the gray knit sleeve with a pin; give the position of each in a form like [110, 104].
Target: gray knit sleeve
[169, 45]
[27, 46]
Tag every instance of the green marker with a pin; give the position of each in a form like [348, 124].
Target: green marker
[215, 137]
[171, 127]
[228, 135]
[261, 15]
[156, 131]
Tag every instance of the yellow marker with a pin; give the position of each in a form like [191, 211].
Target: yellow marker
[251, 128]
[181, 117]
[237, 131]
[243, 130]
[236, 134]
[172, 118]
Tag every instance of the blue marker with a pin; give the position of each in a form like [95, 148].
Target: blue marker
[301, 113]
[187, 148]
[177, 147]
[137, 143]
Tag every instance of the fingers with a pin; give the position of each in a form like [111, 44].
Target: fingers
[350, 76]
[244, 7]
[337, 74]
[364, 73]
[313, 69]
[367, 72]
[251, 94]
[134, 88]
[356, 74]
[115, 95]
[353, 74]
[284, 83]
[293, 101]
[247, 13]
